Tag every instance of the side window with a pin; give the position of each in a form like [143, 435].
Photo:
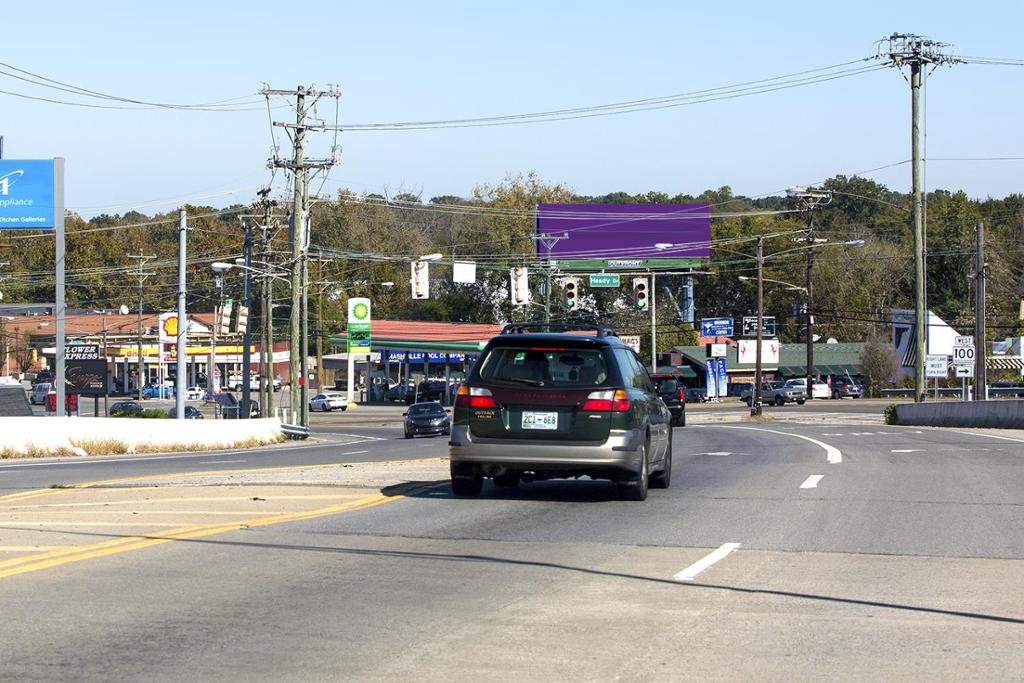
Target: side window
[624, 359]
[642, 378]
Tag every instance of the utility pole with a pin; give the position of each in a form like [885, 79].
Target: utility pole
[299, 165]
[755, 407]
[247, 335]
[980, 365]
[142, 275]
[549, 241]
[916, 51]
[810, 199]
[181, 381]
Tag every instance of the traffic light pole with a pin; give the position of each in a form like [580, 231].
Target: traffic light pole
[549, 241]
[654, 329]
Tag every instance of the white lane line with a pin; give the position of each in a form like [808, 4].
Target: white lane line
[906, 450]
[219, 462]
[834, 455]
[991, 436]
[360, 436]
[811, 482]
[831, 433]
[355, 452]
[690, 573]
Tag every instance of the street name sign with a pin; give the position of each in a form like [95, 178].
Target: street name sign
[716, 327]
[605, 280]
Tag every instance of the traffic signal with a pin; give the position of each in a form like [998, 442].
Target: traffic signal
[520, 286]
[420, 280]
[640, 293]
[243, 319]
[224, 326]
[570, 293]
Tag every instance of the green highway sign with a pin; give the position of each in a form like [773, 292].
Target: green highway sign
[604, 280]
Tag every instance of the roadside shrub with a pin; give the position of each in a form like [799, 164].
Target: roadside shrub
[890, 414]
[151, 413]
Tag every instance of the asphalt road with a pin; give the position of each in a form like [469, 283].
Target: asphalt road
[782, 551]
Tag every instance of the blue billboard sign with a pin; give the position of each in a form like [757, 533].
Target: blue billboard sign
[433, 356]
[716, 327]
[26, 194]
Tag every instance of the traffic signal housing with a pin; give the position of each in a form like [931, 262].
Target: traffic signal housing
[224, 326]
[420, 280]
[520, 286]
[570, 293]
[640, 293]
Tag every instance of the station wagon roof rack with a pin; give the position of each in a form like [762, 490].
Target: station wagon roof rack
[541, 326]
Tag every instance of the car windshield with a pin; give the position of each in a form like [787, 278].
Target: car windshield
[431, 409]
[545, 366]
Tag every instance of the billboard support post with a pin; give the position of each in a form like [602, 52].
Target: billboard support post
[58, 224]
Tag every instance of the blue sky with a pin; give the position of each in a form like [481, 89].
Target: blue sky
[409, 61]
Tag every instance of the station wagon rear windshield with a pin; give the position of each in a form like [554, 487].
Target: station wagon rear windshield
[547, 366]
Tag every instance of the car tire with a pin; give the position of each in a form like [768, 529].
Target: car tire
[801, 401]
[663, 479]
[408, 434]
[465, 483]
[447, 432]
[749, 401]
[508, 480]
[836, 395]
[779, 401]
[636, 489]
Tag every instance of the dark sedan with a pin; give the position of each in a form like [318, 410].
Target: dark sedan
[426, 418]
[191, 413]
[125, 409]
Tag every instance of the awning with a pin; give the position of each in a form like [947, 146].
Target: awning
[684, 371]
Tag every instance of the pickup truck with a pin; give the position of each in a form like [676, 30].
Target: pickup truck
[777, 392]
[254, 383]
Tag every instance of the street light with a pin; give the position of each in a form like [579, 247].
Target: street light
[431, 257]
[778, 282]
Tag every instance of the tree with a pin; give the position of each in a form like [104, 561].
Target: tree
[24, 355]
[880, 365]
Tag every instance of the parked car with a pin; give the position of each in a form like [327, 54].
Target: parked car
[191, 413]
[328, 402]
[124, 409]
[844, 386]
[427, 390]
[254, 383]
[195, 394]
[696, 394]
[38, 394]
[399, 391]
[426, 418]
[819, 388]
[43, 376]
[157, 391]
[737, 388]
[777, 392]
[673, 395]
[546, 405]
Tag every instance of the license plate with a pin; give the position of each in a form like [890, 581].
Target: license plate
[534, 420]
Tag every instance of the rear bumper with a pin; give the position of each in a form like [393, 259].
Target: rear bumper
[622, 452]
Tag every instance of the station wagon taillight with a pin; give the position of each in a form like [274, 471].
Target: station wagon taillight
[474, 397]
[610, 400]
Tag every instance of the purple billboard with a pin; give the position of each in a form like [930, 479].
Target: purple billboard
[625, 233]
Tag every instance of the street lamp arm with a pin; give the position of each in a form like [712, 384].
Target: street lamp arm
[778, 282]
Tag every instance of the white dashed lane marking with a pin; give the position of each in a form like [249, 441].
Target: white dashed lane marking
[691, 572]
[811, 482]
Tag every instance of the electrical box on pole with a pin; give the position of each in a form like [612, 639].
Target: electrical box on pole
[520, 281]
[570, 293]
[420, 280]
[640, 293]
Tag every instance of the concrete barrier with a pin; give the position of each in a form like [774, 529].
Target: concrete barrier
[54, 436]
[1002, 414]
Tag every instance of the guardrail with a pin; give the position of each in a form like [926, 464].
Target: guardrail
[1011, 392]
[295, 432]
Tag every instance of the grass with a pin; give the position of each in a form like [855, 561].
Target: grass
[113, 446]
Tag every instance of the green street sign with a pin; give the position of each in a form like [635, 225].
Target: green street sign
[605, 280]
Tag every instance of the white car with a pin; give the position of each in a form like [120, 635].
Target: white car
[194, 393]
[328, 402]
[39, 392]
[818, 389]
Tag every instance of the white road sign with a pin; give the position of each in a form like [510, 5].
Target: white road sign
[964, 370]
[936, 366]
[631, 340]
[963, 355]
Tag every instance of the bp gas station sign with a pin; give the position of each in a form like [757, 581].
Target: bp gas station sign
[359, 318]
